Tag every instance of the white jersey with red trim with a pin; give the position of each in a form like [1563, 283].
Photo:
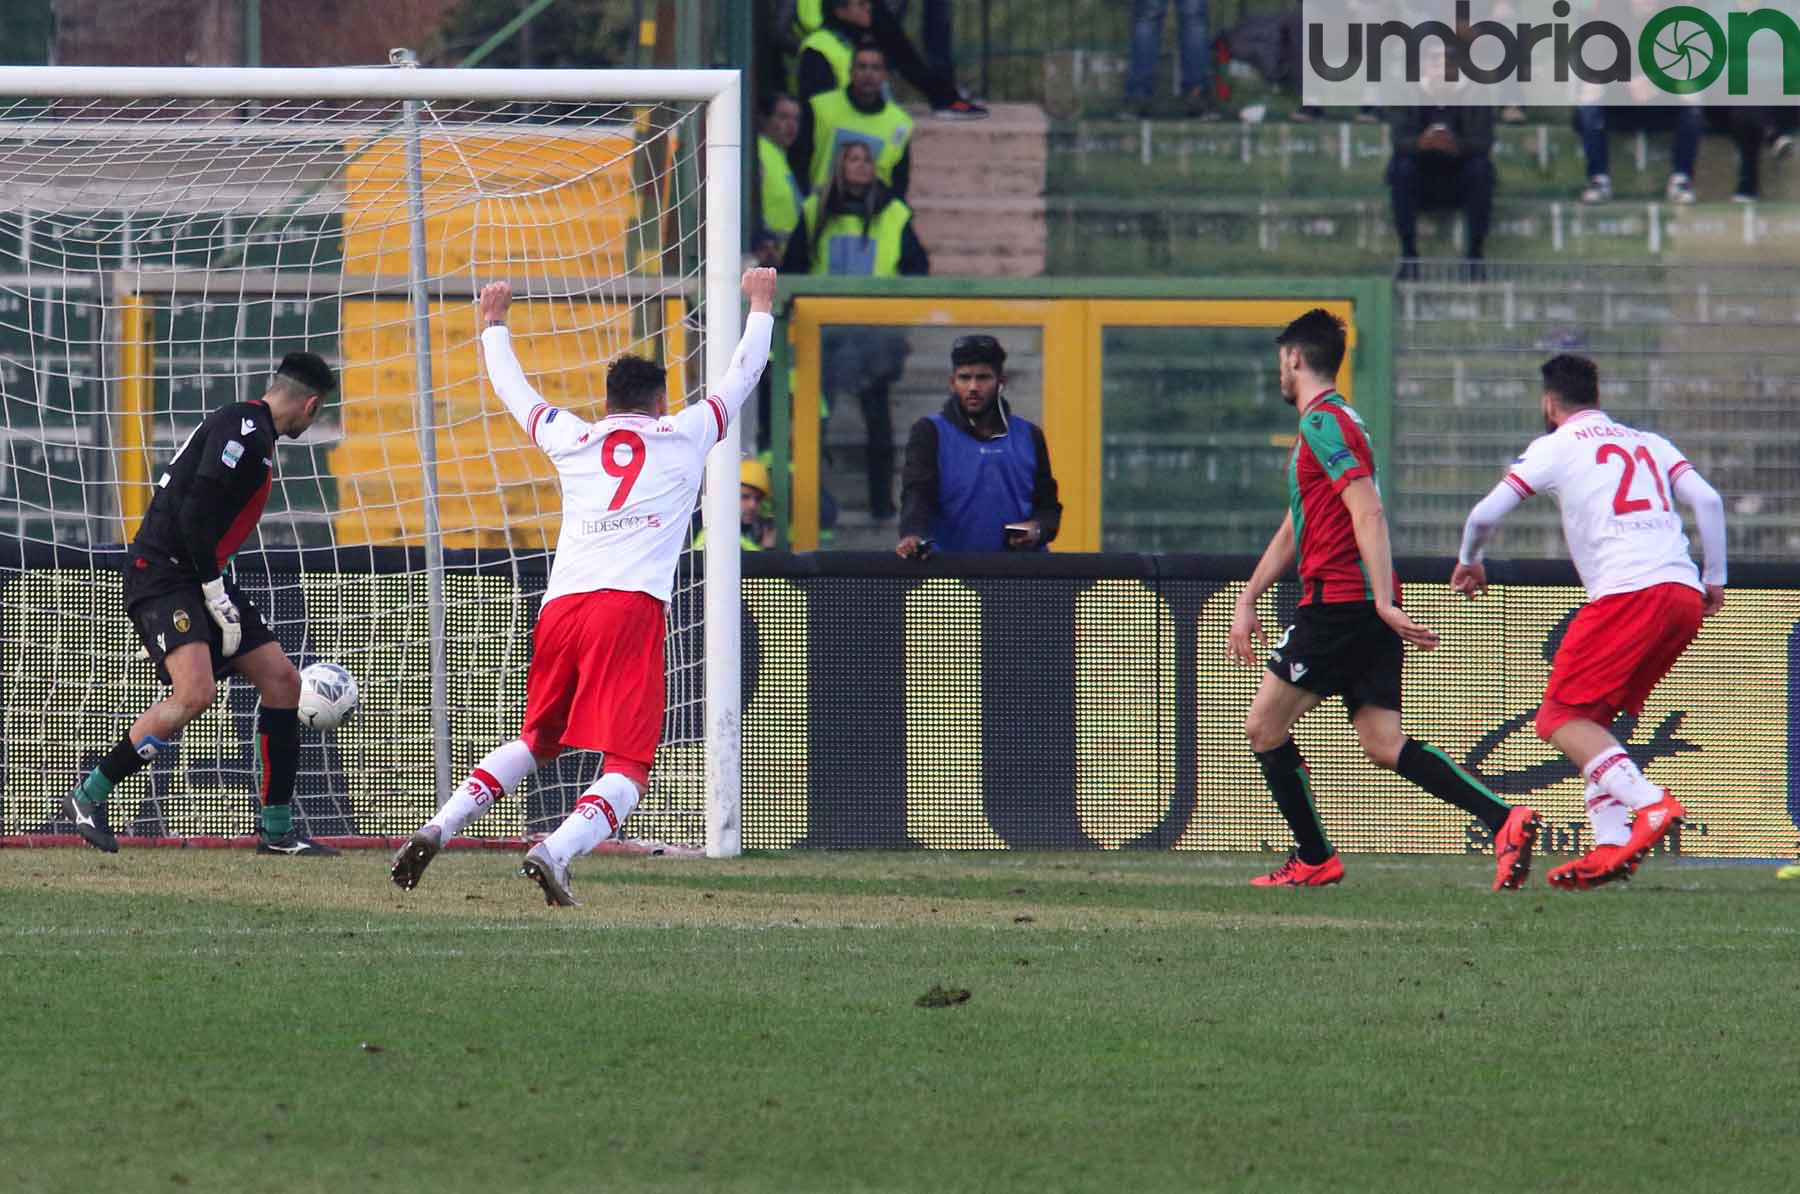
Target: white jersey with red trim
[1616, 487]
[630, 482]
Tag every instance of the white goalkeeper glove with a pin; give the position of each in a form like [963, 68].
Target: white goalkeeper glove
[220, 607]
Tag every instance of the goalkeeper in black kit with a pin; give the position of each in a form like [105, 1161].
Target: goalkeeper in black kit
[194, 622]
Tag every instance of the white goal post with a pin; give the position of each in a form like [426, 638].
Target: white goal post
[159, 225]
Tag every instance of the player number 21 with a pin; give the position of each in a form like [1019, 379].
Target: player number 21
[626, 470]
[1623, 502]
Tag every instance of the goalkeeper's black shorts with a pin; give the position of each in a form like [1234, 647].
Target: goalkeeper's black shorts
[169, 610]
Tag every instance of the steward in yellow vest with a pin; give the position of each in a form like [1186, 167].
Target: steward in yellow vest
[778, 191]
[862, 114]
[855, 227]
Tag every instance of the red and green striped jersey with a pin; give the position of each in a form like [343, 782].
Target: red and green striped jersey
[1331, 451]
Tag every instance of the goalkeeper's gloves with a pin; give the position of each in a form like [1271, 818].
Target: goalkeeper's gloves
[220, 607]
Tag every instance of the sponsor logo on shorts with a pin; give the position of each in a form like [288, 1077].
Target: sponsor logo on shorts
[182, 621]
[1296, 670]
[162, 643]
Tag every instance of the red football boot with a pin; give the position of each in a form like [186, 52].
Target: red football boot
[1294, 873]
[1512, 848]
[1652, 823]
[1596, 868]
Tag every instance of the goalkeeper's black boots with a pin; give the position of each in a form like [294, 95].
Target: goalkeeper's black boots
[553, 880]
[90, 822]
[293, 842]
[415, 856]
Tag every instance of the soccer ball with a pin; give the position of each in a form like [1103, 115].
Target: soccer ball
[327, 695]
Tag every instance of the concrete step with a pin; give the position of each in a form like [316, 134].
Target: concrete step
[1107, 235]
[1536, 160]
[977, 188]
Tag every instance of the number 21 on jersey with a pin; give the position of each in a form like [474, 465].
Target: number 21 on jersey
[1623, 502]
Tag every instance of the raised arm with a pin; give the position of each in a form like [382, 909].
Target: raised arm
[525, 403]
[747, 364]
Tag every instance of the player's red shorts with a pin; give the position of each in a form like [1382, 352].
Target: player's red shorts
[1616, 650]
[596, 680]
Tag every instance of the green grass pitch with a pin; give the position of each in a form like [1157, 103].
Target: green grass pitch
[201, 1020]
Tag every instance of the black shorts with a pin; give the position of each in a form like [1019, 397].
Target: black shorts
[169, 610]
[1342, 648]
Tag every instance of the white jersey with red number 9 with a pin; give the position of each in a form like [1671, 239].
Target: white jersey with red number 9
[630, 482]
[1616, 487]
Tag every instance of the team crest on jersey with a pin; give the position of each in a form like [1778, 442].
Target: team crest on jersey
[181, 621]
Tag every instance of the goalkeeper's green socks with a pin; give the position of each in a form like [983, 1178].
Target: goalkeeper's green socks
[277, 820]
[95, 788]
[123, 760]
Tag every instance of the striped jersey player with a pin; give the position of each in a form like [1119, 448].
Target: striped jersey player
[1348, 634]
[629, 485]
[1617, 487]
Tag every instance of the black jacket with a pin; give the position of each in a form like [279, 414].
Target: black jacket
[919, 476]
[1473, 128]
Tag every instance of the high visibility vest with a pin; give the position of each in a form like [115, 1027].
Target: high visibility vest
[837, 122]
[781, 196]
[808, 15]
[842, 250]
[837, 51]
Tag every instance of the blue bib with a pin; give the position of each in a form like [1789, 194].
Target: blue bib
[983, 484]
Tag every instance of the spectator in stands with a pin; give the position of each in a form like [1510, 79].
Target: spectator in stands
[1196, 57]
[861, 113]
[1753, 127]
[829, 31]
[778, 190]
[977, 476]
[1441, 161]
[1595, 121]
[857, 227]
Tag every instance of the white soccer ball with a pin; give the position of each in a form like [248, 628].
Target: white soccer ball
[327, 695]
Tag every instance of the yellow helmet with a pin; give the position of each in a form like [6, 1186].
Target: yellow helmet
[755, 474]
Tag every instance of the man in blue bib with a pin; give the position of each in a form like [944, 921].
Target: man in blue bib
[977, 476]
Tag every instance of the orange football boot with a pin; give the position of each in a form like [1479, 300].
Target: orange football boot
[1653, 823]
[1596, 868]
[1512, 848]
[1294, 873]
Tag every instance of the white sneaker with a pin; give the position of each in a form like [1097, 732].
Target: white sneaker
[1681, 189]
[1599, 189]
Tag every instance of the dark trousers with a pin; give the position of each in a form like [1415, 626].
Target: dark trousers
[878, 417]
[1750, 126]
[903, 58]
[1595, 121]
[1430, 181]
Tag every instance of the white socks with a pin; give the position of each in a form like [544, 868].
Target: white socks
[597, 816]
[501, 772]
[1613, 772]
[1610, 819]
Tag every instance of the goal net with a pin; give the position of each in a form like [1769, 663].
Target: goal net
[166, 236]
